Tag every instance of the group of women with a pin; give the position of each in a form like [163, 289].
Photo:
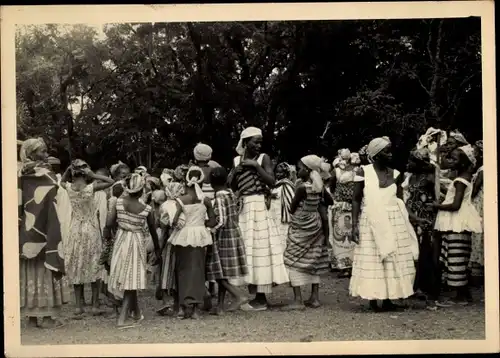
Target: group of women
[257, 226]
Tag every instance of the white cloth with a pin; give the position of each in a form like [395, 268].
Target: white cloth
[247, 133]
[194, 233]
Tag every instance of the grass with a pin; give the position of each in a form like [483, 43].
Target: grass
[341, 318]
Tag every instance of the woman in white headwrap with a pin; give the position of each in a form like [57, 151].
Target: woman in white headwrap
[127, 272]
[252, 177]
[340, 220]
[190, 243]
[84, 247]
[383, 265]
[306, 253]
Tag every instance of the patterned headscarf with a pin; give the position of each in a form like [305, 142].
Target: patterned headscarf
[28, 149]
[376, 146]
[468, 150]
[134, 183]
[174, 190]
[459, 137]
[180, 172]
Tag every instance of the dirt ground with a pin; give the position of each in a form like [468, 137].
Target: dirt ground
[341, 318]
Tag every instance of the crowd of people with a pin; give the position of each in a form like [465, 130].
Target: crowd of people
[199, 227]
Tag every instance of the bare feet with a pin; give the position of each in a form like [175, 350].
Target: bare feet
[195, 314]
[237, 303]
[49, 323]
[33, 321]
[312, 303]
[295, 306]
[217, 311]
[79, 313]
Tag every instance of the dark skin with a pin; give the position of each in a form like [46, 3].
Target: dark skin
[419, 167]
[385, 176]
[478, 183]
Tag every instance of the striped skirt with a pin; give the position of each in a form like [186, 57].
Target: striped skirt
[41, 295]
[393, 278]
[455, 254]
[263, 247]
[168, 269]
[128, 262]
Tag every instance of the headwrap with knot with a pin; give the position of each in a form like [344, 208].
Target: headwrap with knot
[29, 148]
[336, 162]
[142, 170]
[78, 166]
[134, 183]
[313, 162]
[180, 172]
[174, 190]
[459, 137]
[166, 176]
[116, 167]
[195, 181]
[355, 159]
[283, 171]
[344, 154]
[202, 152]
[468, 150]
[247, 133]
[376, 146]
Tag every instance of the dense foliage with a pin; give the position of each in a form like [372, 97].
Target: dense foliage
[147, 93]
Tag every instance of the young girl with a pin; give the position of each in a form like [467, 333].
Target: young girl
[190, 243]
[226, 260]
[128, 261]
[477, 255]
[84, 243]
[456, 220]
[306, 253]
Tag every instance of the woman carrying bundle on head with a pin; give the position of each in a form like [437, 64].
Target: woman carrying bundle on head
[190, 243]
[84, 247]
[282, 196]
[41, 261]
[127, 272]
[456, 221]
[252, 177]
[306, 253]
[387, 248]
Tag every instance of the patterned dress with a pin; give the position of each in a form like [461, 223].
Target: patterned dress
[340, 220]
[306, 253]
[477, 255]
[226, 258]
[284, 191]
[383, 265]
[260, 233]
[420, 194]
[84, 247]
[129, 258]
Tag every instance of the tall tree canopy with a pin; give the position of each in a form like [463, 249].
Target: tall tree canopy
[146, 93]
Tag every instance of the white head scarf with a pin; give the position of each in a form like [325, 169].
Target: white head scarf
[470, 153]
[344, 154]
[29, 147]
[202, 152]
[135, 183]
[376, 146]
[247, 133]
[196, 181]
[165, 177]
[355, 159]
[314, 163]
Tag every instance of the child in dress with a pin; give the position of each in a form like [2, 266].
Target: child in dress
[84, 243]
[456, 220]
[190, 243]
[128, 261]
[226, 260]
[477, 255]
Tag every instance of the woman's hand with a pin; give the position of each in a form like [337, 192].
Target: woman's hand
[433, 205]
[88, 172]
[355, 234]
[249, 163]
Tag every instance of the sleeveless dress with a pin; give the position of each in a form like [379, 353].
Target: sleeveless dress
[340, 220]
[263, 245]
[477, 255]
[129, 258]
[84, 244]
[306, 253]
[383, 265]
[189, 247]
[227, 259]
[457, 228]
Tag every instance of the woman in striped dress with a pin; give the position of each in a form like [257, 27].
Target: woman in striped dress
[306, 254]
[128, 261]
[252, 177]
[282, 196]
[226, 262]
[387, 248]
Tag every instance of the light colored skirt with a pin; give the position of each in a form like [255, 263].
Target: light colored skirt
[41, 295]
[342, 249]
[263, 245]
[373, 279]
[455, 255]
[282, 227]
[128, 262]
[298, 278]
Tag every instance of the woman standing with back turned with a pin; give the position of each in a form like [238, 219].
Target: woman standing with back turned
[252, 177]
[383, 265]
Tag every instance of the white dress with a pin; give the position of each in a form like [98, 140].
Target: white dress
[383, 265]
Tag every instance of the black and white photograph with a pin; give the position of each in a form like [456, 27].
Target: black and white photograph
[250, 180]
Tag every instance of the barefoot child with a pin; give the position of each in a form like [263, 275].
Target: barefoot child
[306, 254]
[457, 220]
[190, 242]
[226, 260]
[128, 261]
